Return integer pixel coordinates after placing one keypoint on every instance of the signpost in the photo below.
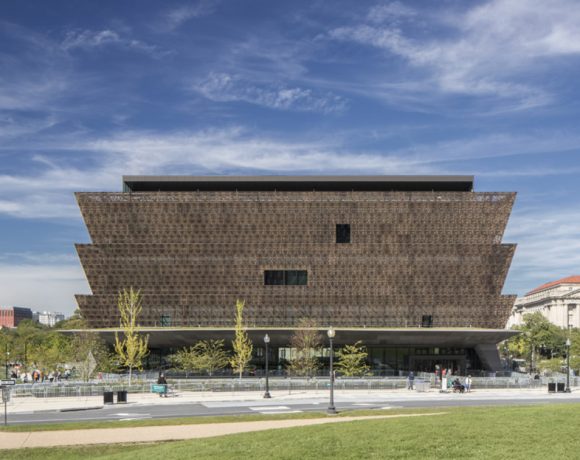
(5, 385)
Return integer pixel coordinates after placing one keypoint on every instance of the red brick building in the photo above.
(11, 316)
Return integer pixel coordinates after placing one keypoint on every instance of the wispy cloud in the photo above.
(224, 87)
(176, 17)
(48, 192)
(392, 11)
(484, 51)
(548, 245)
(87, 39)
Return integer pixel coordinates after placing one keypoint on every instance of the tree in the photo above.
(539, 336)
(241, 344)
(90, 353)
(185, 359)
(352, 360)
(306, 343)
(211, 355)
(133, 348)
(575, 350)
(205, 355)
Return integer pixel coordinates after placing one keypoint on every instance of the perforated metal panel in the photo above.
(193, 253)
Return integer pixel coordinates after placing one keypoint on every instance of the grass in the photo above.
(516, 432)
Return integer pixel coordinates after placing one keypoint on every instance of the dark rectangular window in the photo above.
(286, 277)
(274, 277)
(343, 233)
(427, 321)
(165, 320)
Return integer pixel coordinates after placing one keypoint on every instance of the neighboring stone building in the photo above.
(11, 316)
(558, 301)
(412, 266)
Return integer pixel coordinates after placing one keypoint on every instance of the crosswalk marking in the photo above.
(281, 412)
(269, 408)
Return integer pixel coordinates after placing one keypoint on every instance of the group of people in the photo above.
(38, 376)
(454, 384)
(459, 387)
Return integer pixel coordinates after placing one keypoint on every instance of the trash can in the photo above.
(121, 397)
(108, 397)
(561, 387)
(551, 387)
(422, 385)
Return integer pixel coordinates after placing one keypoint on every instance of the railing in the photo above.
(234, 385)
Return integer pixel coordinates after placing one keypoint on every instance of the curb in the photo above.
(76, 409)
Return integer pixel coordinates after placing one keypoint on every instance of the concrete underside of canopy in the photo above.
(168, 337)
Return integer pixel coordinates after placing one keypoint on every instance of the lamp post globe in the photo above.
(568, 344)
(266, 342)
(331, 409)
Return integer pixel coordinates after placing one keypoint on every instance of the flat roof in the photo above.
(298, 183)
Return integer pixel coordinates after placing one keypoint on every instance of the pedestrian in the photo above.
(162, 381)
(410, 380)
(468, 383)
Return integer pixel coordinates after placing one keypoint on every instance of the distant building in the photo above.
(48, 318)
(558, 301)
(11, 316)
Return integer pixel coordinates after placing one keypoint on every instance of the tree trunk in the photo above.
(130, 375)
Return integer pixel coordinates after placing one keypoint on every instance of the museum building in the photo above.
(413, 266)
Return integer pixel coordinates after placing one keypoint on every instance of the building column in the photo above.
(489, 356)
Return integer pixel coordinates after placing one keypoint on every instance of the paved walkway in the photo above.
(164, 433)
(29, 405)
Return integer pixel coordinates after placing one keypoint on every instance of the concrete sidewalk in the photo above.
(23, 405)
(164, 433)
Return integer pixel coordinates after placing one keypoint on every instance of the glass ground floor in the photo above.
(386, 361)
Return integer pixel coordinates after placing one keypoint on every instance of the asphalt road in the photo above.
(155, 411)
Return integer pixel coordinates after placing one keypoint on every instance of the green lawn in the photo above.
(518, 432)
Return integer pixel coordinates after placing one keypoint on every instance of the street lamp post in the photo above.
(267, 393)
(7, 358)
(568, 343)
(331, 409)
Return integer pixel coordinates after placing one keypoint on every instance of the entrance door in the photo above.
(428, 363)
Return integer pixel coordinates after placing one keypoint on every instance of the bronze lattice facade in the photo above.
(419, 253)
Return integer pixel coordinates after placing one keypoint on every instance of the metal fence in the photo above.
(234, 385)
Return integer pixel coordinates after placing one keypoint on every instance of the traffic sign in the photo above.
(4, 383)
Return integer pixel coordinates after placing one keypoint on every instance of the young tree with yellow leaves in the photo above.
(241, 344)
(134, 347)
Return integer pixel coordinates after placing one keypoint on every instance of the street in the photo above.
(174, 407)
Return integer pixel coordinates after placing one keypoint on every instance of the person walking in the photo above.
(162, 381)
(468, 383)
(410, 380)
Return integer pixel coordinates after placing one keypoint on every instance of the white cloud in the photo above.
(49, 193)
(87, 39)
(487, 51)
(45, 287)
(392, 11)
(224, 87)
(178, 16)
(548, 246)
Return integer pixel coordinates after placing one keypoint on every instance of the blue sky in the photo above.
(90, 91)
